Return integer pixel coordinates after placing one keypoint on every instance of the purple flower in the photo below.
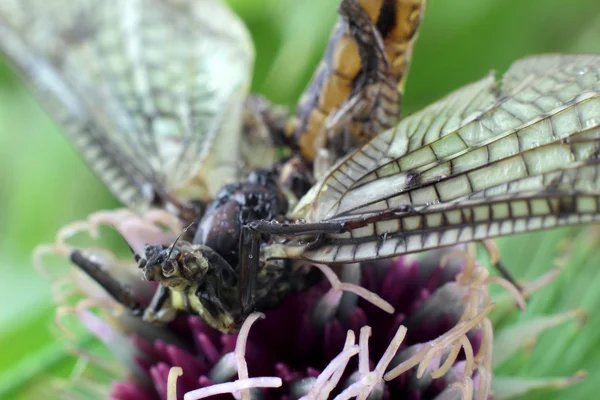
(410, 327)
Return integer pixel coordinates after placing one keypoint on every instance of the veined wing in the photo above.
(431, 123)
(147, 90)
(483, 162)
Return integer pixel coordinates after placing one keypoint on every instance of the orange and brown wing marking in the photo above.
(399, 36)
(357, 87)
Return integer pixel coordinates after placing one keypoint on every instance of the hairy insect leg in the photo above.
(160, 310)
(113, 287)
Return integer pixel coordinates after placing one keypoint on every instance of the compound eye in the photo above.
(152, 251)
(149, 251)
(168, 269)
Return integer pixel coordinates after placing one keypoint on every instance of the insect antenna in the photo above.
(136, 256)
(179, 237)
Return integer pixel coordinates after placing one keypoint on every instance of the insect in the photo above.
(182, 133)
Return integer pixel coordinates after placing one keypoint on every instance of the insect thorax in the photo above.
(209, 275)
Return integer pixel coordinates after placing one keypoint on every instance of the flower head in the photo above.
(410, 327)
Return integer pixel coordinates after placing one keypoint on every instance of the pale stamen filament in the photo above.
(360, 291)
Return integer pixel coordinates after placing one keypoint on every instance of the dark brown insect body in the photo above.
(359, 84)
(357, 88)
(218, 275)
(259, 198)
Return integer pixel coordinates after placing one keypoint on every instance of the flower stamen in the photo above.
(240, 350)
(337, 373)
(363, 355)
(450, 358)
(43, 250)
(424, 356)
(362, 388)
(360, 291)
(163, 218)
(174, 373)
(231, 387)
(465, 386)
(330, 376)
(511, 288)
(239, 388)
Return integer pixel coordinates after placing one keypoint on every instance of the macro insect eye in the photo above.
(190, 265)
(167, 267)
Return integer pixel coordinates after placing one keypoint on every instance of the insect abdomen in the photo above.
(339, 71)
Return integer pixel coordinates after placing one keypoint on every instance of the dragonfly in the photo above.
(155, 96)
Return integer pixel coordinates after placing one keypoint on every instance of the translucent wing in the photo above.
(149, 91)
(483, 162)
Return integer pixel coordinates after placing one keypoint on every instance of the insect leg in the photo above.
(249, 251)
(158, 300)
(296, 229)
(114, 288)
(505, 273)
(249, 265)
(493, 252)
(161, 310)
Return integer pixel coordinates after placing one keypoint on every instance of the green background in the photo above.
(44, 184)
